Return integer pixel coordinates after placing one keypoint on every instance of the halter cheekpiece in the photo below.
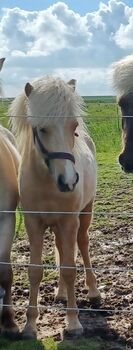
(51, 155)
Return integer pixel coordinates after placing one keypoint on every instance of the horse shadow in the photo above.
(97, 334)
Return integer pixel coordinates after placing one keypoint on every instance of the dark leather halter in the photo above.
(51, 155)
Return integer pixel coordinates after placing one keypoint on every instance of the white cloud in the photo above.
(96, 79)
(60, 41)
(124, 35)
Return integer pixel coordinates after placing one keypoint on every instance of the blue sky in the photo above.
(81, 6)
(59, 42)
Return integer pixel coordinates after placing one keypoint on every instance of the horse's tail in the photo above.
(18, 122)
(122, 75)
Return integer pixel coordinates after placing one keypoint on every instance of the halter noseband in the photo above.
(51, 155)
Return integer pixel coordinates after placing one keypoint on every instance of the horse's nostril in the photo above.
(77, 178)
(61, 180)
(63, 187)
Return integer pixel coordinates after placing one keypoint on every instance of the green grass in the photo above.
(3, 111)
(50, 344)
(103, 125)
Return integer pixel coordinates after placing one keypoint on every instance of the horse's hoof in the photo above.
(73, 333)
(96, 301)
(28, 335)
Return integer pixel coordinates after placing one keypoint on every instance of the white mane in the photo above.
(122, 75)
(51, 97)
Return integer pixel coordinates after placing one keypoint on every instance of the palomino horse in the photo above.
(58, 177)
(123, 83)
(9, 160)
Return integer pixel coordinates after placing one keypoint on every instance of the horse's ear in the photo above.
(1, 62)
(72, 83)
(28, 89)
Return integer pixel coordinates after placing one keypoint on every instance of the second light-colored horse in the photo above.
(9, 161)
(57, 176)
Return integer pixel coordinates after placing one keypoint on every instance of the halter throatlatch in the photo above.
(51, 155)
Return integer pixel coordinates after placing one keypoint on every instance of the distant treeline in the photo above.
(91, 99)
(7, 99)
(100, 99)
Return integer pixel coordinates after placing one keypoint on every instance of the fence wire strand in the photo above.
(86, 116)
(99, 213)
(79, 268)
(52, 308)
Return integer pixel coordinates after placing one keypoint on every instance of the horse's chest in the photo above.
(58, 203)
(46, 197)
(54, 210)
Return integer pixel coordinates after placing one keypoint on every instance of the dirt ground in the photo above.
(111, 249)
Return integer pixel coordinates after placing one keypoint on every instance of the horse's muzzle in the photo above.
(126, 163)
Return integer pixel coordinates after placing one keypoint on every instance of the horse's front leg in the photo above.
(68, 238)
(35, 275)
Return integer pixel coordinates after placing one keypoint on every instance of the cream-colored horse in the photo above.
(9, 160)
(57, 176)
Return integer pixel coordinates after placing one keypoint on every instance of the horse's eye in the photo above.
(43, 130)
(123, 102)
(75, 126)
(124, 122)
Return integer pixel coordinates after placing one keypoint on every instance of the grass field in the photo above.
(114, 200)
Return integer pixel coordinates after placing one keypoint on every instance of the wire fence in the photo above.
(90, 309)
(111, 268)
